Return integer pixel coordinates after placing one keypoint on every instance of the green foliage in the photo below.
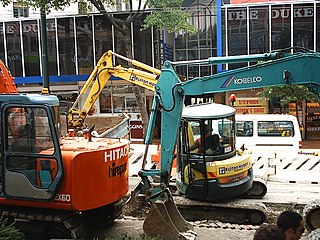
(8, 231)
(166, 13)
(159, 4)
(174, 20)
(288, 93)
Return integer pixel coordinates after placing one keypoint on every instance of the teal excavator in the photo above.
(215, 175)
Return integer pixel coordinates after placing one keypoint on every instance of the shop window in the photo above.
(13, 43)
(118, 99)
(237, 34)
(259, 30)
(31, 48)
(84, 44)
(130, 104)
(280, 26)
(303, 26)
(66, 45)
(19, 10)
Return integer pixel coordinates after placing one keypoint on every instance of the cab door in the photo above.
(192, 164)
(31, 157)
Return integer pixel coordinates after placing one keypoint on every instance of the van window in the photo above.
(244, 128)
(275, 128)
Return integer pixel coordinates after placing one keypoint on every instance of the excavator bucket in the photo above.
(165, 220)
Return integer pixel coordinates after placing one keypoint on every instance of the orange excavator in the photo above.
(59, 184)
(7, 81)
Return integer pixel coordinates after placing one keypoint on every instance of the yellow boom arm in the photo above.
(146, 78)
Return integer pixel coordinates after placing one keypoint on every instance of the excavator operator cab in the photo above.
(208, 133)
(31, 162)
(207, 148)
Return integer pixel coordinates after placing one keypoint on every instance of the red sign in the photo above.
(136, 129)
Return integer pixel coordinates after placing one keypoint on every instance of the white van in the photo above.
(268, 132)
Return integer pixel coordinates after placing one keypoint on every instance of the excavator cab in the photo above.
(209, 167)
(31, 158)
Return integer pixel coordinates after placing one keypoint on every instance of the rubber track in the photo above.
(232, 211)
(71, 220)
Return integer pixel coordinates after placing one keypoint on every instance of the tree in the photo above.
(165, 13)
(287, 94)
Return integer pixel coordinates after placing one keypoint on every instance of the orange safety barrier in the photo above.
(156, 158)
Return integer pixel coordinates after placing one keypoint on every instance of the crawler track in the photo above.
(231, 211)
(63, 224)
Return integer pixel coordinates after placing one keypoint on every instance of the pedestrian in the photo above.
(292, 224)
(269, 232)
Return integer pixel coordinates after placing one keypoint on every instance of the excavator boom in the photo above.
(99, 77)
(284, 69)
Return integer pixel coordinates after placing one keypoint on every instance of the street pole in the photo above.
(44, 50)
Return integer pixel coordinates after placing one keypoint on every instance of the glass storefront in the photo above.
(66, 43)
(75, 44)
(31, 48)
(118, 98)
(13, 47)
(84, 37)
(200, 45)
(247, 28)
(258, 28)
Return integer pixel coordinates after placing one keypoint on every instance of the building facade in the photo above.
(224, 28)
(258, 27)
(75, 44)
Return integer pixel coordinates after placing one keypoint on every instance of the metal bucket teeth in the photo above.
(165, 220)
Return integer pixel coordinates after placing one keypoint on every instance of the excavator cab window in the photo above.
(30, 152)
(201, 143)
(209, 137)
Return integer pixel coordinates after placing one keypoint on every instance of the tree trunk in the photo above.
(138, 91)
(297, 112)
